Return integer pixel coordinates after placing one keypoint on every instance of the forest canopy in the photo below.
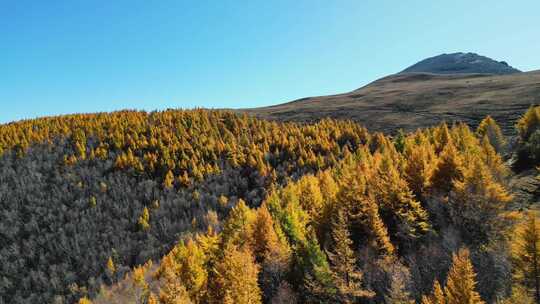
(207, 206)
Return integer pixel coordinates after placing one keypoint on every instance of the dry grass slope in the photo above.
(415, 100)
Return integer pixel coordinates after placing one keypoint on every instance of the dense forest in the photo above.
(207, 206)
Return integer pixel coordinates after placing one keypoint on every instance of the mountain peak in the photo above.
(461, 63)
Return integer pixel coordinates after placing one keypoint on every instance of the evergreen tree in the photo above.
(311, 269)
(130, 158)
(293, 219)
(399, 141)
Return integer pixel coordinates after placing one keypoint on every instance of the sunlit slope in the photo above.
(416, 100)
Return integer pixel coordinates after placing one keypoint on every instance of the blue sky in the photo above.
(71, 56)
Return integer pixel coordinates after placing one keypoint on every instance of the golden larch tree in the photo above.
(449, 168)
(528, 123)
(461, 281)
(346, 276)
(437, 295)
(419, 165)
(526, 254)
(265, 241)
(489, 129)
(236, 277)
(168, 181)
(478, 202)
(238, 227)
(362, 208)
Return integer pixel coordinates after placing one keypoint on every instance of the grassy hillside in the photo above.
(419, 100)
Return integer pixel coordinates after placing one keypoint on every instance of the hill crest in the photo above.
(461, 63)
(416, 100)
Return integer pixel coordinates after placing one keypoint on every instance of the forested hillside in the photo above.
(77, 190)
(211, 207)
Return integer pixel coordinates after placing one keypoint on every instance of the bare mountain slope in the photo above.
(461, 63)
(414, 100)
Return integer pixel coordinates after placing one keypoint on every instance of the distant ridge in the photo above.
(416, 100)
(461, 63)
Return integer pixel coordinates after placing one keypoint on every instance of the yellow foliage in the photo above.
(437, 296)
(187, 144)
(236, 277)
(144, 219)
(93, 201)
(378, 187)
(191, 271)
(489, 129)
(152, 299)
(461, 281)
(84, 300)
(309, 195)
(420, 164)
(449, 168)
(528, 123)
(169, 180)
(237, 229)
(363, 209)
(110, 266)
(266, 243)
(138, 276)
(526, 253)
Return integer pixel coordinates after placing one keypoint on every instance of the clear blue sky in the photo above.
(72, 56)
